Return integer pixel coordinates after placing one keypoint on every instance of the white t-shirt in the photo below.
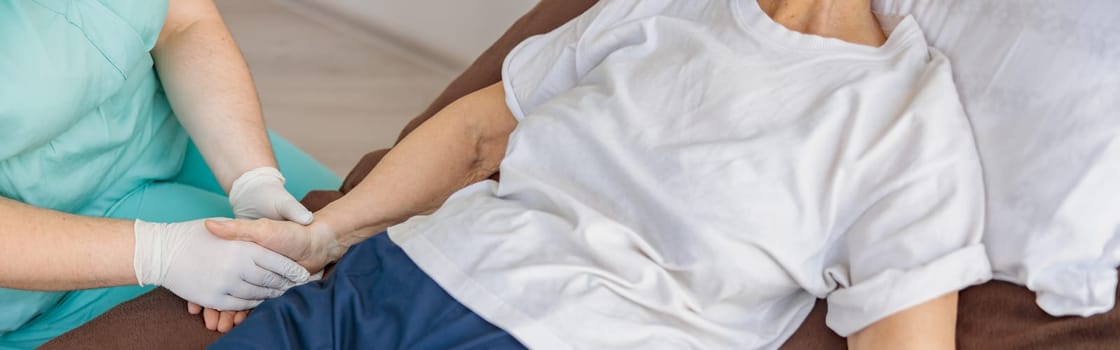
(691, 174)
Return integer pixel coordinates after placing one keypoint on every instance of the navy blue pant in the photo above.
(376, 298)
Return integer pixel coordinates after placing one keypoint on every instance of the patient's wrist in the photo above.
(356, 236)
(325, 246)
(350, 223)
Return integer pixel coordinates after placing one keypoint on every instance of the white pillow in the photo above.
(1040, 81)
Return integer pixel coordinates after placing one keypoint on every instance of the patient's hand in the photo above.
(287, 238)
(312, 246)
(221, 321)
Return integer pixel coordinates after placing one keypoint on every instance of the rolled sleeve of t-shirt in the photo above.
(543, 66)
(918, 211)
(914, 244)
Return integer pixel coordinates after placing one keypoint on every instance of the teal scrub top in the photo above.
(83, 117)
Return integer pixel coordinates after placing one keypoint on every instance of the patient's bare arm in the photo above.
(927, 326)
(462, 144)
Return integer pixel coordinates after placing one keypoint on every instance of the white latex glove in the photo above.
(210, 271)
(260, 193)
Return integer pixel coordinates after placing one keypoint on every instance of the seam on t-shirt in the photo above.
(512, 101)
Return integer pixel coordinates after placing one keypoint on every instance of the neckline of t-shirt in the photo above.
(754, 20)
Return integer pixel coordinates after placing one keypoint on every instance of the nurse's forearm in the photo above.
(211, 91)
(49, 250)
(462, 144)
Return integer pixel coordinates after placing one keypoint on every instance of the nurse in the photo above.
(123, 122)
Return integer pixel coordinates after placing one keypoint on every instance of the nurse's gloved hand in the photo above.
(210, 271)
(260, 193)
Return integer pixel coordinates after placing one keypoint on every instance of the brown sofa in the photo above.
(995, 315)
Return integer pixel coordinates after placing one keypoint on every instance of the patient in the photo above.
(674, 174)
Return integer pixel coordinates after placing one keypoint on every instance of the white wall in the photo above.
(454, 31)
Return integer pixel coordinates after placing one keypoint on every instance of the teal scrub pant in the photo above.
(193, 194)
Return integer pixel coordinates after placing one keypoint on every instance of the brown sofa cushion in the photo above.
(995, 315)
(157, 320)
